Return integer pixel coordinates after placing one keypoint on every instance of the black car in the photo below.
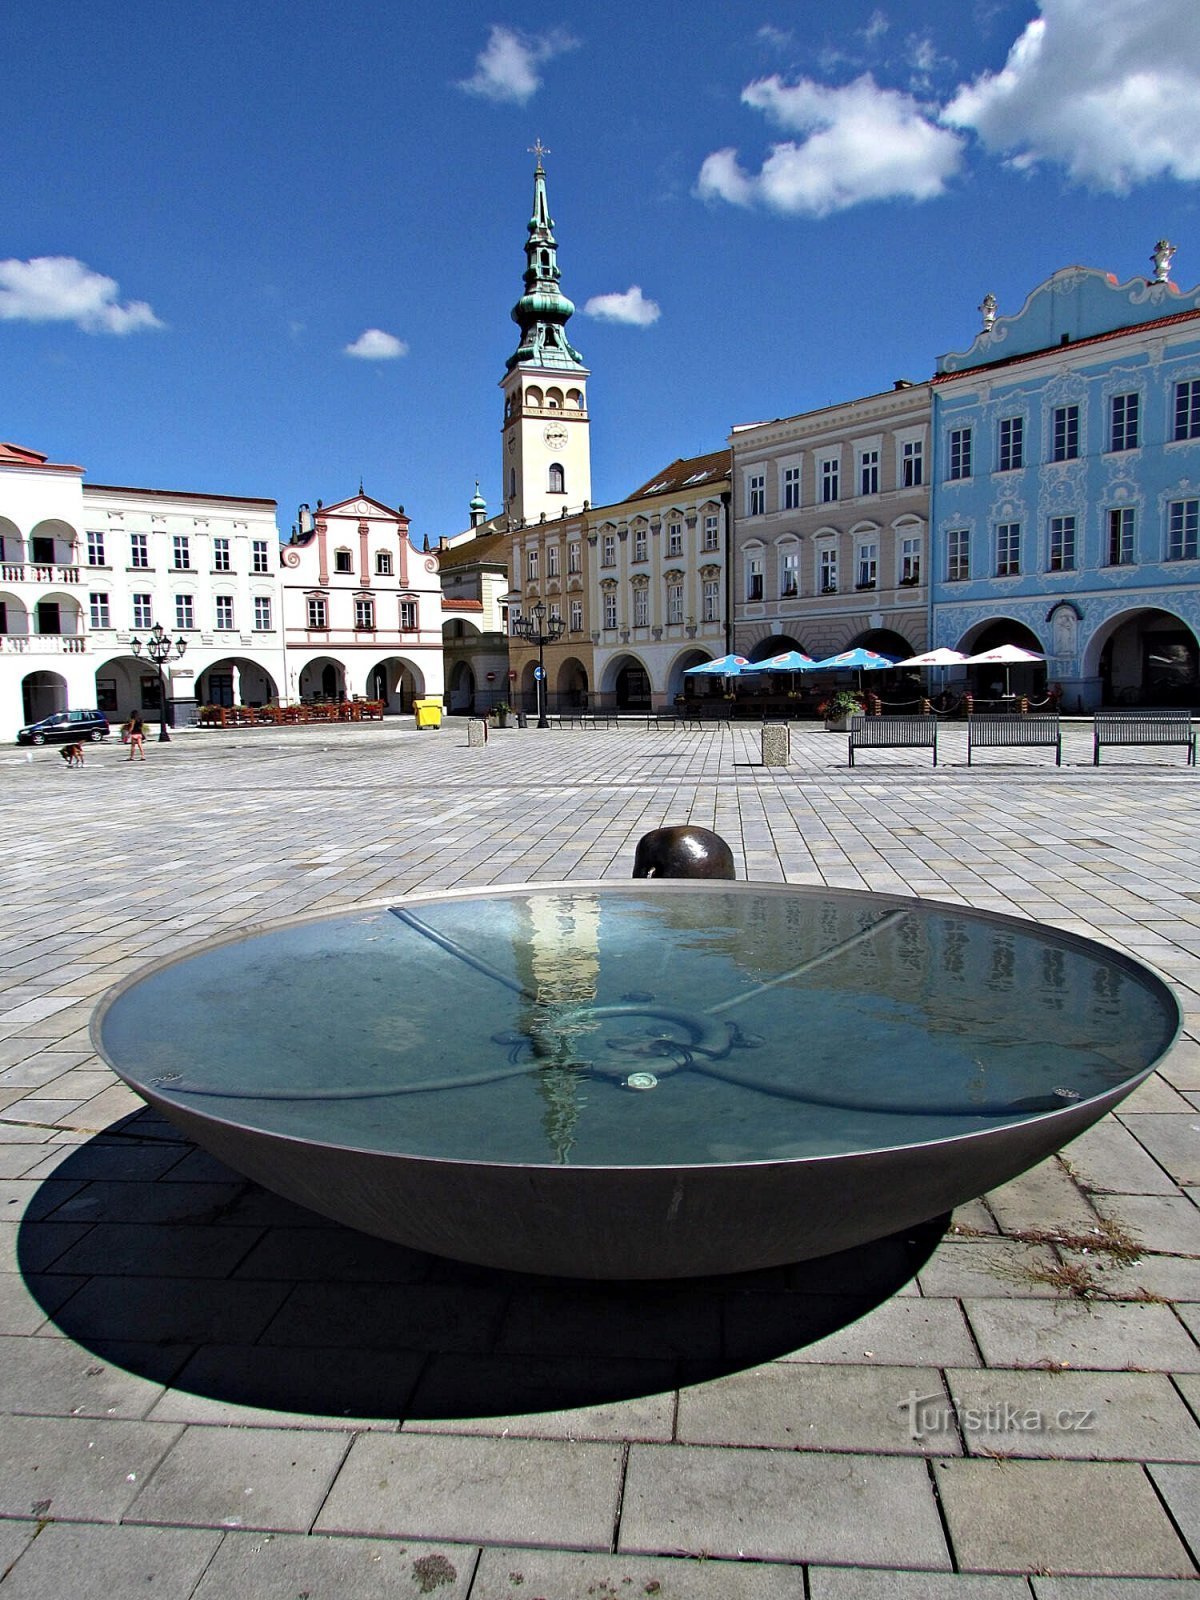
(66, 727)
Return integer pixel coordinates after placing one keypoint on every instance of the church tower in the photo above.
(547, 457)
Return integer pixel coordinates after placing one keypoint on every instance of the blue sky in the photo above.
(260, 248)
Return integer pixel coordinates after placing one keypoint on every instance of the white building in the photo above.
(362, 609)
(84, 569)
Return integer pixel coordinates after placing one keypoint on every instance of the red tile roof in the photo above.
(16, 455)
(1075, 344)
(690, 472)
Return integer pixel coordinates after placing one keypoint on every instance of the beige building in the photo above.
(831, 528)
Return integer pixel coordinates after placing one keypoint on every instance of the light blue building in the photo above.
(1065, 508)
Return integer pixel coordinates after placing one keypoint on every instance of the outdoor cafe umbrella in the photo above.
(789, 661)
(941, 657)
(1004, 655)
(856, 660)
(723, 667)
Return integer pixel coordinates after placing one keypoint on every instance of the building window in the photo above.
(910, 561)
(221, 561)
(1064, 442)
(789, 574)
(1008, 549)
(610, 608)
(531, 566)
(1120, 536)
(831, 474)
(791, 488)
(318, 612)
(675, 539)
(383, 563)
(711, 532)
(958, 555)
(143, 611)
(555, 612)
(95, 549)
(262, 614)
(180, 553)
(1123, 421)
(576, 616)
(674, 602)
(754, 577)
(364, 614)
(139, 550)
(343, 561)
(641, 608)
(1182, 522)
(260, 556)
(224, 612)
(558, 478)
(756, 493)
(98, 610)
(552, 561)
(829, 571)
(1011, 452)
(868, 472)
(639, 544)
(574, 559)
(408, 616)
(868, 566)
(711, 600)
(185, 615)
(960, 453)
(1062, 544)
(1187, 409)
(608, 556)
(912, 464)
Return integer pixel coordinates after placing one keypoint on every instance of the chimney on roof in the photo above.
(902, 383)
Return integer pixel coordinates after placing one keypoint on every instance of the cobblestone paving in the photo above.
(208, 1392)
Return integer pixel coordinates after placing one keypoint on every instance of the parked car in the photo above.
(66, 727)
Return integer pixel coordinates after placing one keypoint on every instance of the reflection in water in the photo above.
(556, 945)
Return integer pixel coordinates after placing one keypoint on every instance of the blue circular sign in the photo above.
(539, 673)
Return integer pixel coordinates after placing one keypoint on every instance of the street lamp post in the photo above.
(540, 629)
(158, 649)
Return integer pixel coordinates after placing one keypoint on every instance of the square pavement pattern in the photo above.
(208, 1392)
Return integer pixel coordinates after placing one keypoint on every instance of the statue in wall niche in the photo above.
(1065, 631)
(682, 851)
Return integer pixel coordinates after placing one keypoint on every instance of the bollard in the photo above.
(776, 744)
(476, 732)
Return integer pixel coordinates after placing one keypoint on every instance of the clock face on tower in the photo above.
(555, 435)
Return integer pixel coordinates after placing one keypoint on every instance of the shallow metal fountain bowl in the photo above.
(643, 1080)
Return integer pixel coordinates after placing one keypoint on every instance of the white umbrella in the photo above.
(1004, 655)
(941, 657)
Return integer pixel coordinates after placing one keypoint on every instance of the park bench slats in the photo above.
(893, 733)
(1143, 728)
(1005, 732)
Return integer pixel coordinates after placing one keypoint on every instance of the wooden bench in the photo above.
(1002, 732)
(893, 733)
(1143, 728)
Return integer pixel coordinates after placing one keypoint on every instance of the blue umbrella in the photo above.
(789, 661)
(725, 667)
(856, 660)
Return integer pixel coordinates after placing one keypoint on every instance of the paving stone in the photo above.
(895, 1333)
(332, 1255)
(1107, 1588)
(982, 1268)
(510, 1491)
(802, 1407)
(28, 1299)
(172, 1310)
(1042, 1199)
(1160, 1222)
(1173, 1140)
(125, 1162)
(776, 1505)
(1073, 1333)
(100, 1563)
(1106, 1416)
(33, 1247)
(859, 1583)
(587, 1320)
(110, 1201)
(14, 1537)
(77, 1469)
(1180, 1488)
(266, 1478)
(129, 1249)
(557, 1575)
(283, 1566)
(54, 1377)
(263, 1386)
(385, 1316)
(1111, 1157)
(1055, 1517)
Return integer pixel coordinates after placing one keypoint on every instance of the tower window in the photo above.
(558, 478)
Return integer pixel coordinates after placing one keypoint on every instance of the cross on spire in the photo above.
(538, 149)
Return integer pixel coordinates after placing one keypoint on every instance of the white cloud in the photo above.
(506, 69)
(632, 308)
(863, 143)
(375, 345)
(876, 27)
(62, 289)
(1108, 90)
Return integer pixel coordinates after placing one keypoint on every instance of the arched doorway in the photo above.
(990, 682)
(778, 644)
(462, 688)
(395, 682)
(884, 641)
(42, 694)
(699, 687)
(571, 693)
(1146, 658)
(235, 681)
(323, 678)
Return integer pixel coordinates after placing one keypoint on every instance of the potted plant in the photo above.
(500, 712)
(837, 710)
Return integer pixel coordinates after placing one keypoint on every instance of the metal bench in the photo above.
(676, 719)
(893, 733)
(1143, 728)
(992, 733)
(582, 719)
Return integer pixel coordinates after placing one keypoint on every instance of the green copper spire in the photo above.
(543, 310)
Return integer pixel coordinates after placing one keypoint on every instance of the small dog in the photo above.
(72, 754)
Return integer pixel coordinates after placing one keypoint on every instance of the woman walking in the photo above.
(137, 736)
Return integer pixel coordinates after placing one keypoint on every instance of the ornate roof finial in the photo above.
(988, 307)
(538, 149)
(1161, 256)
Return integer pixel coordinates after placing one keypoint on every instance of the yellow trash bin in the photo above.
(428, 713)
